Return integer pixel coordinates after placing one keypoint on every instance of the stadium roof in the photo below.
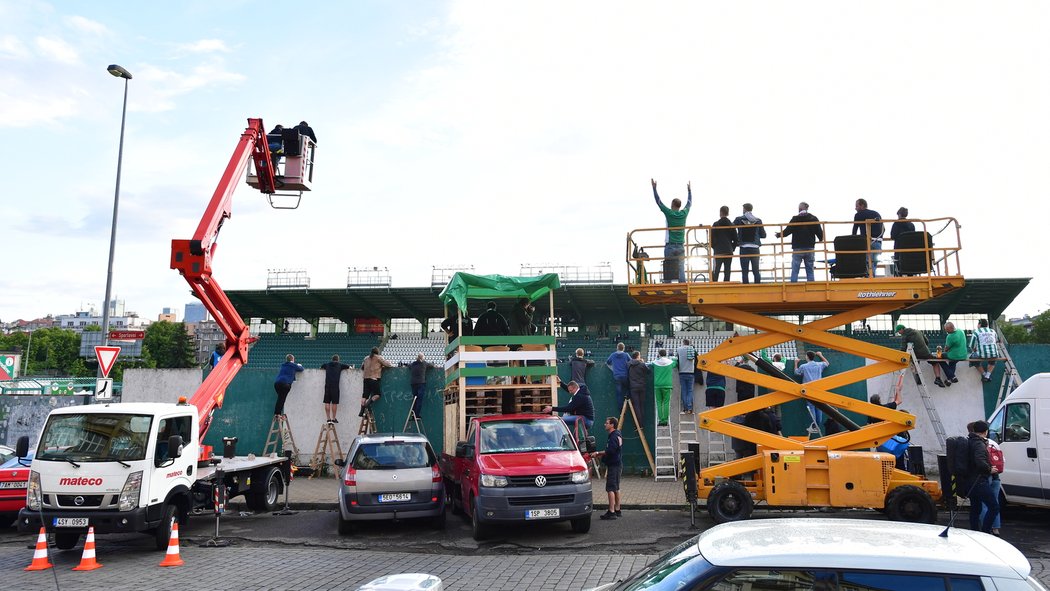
(574, 304)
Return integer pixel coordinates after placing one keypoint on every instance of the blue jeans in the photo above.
(686, 381)
(418, 391)
(997, 485)
(818, 415)
(674, 262)
(571, 420)
(623, 389)
(981, 495)
(873, 258)
(749, 258)
(797, 258)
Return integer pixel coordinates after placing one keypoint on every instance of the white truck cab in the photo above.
(1021, 427)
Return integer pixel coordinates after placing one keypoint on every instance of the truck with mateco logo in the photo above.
(139, 467)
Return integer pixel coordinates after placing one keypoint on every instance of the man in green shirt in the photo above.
(674, 244)
(954, 350)
(663, 383)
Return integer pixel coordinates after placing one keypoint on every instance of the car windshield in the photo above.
(392, 455)
(525, 435)
(681, 567)
(95, 437)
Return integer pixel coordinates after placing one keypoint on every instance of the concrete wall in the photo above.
(25, 415)
(159, 385)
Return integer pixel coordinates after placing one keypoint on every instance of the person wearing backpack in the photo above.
(977, 479)
(995, 458)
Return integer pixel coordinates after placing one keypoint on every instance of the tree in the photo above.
(1014, 334)
(1041, 328)
(167, 345)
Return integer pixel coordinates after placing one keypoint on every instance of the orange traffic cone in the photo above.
(172, 557)
(87, 561)
(40, 561)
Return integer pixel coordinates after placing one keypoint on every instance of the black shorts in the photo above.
(612, 478)
(371, 388)
(715, 397)
(331, 394)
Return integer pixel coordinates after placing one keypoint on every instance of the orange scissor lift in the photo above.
(835, 470)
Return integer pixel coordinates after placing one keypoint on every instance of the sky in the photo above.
(496, 133)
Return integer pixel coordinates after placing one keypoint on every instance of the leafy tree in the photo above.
(49, 351)
(1041, 328)
(167, 345)
(1015, 335)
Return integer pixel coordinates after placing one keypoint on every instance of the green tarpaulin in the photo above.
(464, 286)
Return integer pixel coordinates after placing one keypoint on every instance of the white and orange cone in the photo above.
(87, 561)
(171, 558)
(40, 561)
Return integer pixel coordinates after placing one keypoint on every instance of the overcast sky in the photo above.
(498, 133)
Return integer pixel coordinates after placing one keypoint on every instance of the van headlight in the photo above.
(492, 480)
(129, 496)
(581, 477)
(33, 493)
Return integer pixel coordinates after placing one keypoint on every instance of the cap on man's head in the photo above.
(899, 328)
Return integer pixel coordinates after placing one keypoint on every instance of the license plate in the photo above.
(71, 522)
(395, 497)
(542, 513)
(4, 485)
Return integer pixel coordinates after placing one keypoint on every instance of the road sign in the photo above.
(103, 388)
(127, 334)
(106, 357)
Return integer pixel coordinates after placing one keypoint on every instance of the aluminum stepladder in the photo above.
(927, 400)
(666, 466)
(412, 418)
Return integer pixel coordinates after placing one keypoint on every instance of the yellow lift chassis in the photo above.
(835, 470)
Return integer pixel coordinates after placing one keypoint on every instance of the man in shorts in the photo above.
(613, 460)
(332, 373)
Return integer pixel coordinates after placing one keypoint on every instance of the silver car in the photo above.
(388, 476)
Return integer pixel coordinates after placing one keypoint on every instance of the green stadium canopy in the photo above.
(464, 286)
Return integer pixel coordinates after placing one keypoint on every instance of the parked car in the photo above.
(390, 476)
(14, 480)
(6, 453)
(846, 554)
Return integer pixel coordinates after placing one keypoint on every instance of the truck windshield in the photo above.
(95, 437)
(525, 435)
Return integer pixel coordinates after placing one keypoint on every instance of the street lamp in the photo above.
(119, 72)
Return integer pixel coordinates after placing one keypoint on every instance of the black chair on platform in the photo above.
(851, 257)
(914, 263)
(291, 142)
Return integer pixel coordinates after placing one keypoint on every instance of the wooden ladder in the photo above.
(327, 450)
(641, 433)
(413, 418)
(280, 438)
(368, 422)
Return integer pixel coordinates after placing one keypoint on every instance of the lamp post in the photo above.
(119, 72)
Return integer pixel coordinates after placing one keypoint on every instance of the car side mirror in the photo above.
(175, 446)
(22, 447)
(587, 445)
(340, 462)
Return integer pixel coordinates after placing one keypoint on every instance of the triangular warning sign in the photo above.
(107, 356)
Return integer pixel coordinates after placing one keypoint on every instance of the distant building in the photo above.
(194, 312)
(206, 335)
(1024, 322)
(27, 325)
(168, 315)
(81, 320)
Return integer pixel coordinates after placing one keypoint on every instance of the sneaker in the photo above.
(607, 516)
(939, 383)
(618, 513)
(335, 420)
(662, 424)
(955, 380)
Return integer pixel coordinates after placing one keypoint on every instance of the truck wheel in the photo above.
(265, 491)
(66, 540)
(480, 530)
(162, 535)
(452, 498)
(581, 525)
(910, 503)
(729, 501)
(345, 526)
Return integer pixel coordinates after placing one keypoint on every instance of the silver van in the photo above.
(390, 476)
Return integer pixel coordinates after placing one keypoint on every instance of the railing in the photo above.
(932, 250)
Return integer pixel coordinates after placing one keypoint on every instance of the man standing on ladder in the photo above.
(333, 371)
(418, 371)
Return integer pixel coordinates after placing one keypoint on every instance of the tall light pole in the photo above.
(119, 72)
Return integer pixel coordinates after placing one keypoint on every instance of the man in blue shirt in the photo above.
(810, 371)
(868, 222)
(617, 364)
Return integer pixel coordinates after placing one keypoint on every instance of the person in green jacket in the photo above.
(674, 245)
(955, 350)
(663, 382)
